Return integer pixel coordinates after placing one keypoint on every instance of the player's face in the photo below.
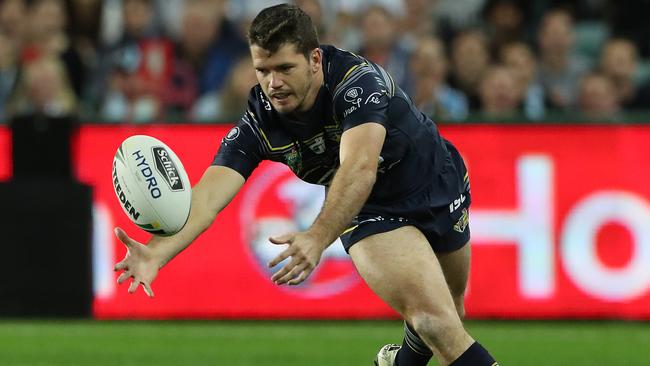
(288, 79)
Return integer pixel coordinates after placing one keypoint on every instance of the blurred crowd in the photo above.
(139, 61)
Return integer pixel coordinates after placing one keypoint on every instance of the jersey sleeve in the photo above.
(363, 97)
(241, 148)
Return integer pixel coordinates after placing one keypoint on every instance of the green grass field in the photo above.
(194, 343)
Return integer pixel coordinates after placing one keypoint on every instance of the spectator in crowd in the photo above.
(505, 22)
(418, 21)
(629, 19)
(43, 89)
(344, 31)
(381, 43)
(84, 28)
(229, 103)
(583, 9)
(210, 45)
(12, 20)
(315, 10)
(560, 69)
(137, 68)
(598, 100)
(519, 58)
(165, 18)
(500, 98)
(128, 21)
(454, 17)
(47, 35)
(430, 92)
(470, 60)
(619, 62)
(8, 72)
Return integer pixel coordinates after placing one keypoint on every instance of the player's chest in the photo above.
(311, 153)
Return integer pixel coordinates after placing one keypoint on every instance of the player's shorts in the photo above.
(445, 227)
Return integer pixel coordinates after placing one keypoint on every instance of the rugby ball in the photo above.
(151, 185)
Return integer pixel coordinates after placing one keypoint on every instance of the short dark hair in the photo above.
(283, 24)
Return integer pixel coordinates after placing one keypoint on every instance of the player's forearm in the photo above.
(217, 188)
(201, 217)
(348, 192)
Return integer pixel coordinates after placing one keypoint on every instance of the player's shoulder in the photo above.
(340, 64)
(349, 72)
(340, 57)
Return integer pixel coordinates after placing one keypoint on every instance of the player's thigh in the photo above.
(455, 266)
(402, 269)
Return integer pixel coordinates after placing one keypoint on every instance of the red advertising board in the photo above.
(5, 154)
(560, 225)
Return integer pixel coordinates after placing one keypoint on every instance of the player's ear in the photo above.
(315, 59)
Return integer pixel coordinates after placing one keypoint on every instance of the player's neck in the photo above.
(312, 93)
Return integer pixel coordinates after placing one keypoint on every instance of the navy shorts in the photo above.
(445, 227)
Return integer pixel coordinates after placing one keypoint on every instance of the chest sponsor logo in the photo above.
(318, 145)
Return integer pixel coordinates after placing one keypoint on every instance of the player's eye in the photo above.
(285, 68)
(262, 71)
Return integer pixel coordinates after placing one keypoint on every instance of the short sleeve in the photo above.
(240, 149)
(362, 97)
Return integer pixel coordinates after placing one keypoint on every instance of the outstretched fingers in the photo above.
(123, 277)
(134, 285)
(300, 279)
(284, 271)
(280, 257)
(291, 273)
(121, 266)
(282, 239)
(121, 235)
(147, 289)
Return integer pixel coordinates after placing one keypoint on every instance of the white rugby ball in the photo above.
(152, 185)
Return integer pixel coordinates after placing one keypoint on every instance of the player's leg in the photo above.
(455, 266)
(402, 269)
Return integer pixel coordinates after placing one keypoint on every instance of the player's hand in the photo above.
(139, 264)
(305, 252)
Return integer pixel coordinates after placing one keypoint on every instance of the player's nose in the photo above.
(276, 81)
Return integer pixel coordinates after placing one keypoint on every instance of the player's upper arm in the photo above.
(361, 146)
(241, 148)
(363, 97)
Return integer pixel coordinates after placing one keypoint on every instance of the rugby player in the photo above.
(397, 192)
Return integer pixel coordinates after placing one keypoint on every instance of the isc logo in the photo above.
(457, 202)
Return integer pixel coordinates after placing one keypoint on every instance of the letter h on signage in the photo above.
(530, 228)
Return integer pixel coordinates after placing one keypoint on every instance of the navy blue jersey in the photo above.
(355, 91)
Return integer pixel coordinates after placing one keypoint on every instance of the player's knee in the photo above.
(436, 326)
